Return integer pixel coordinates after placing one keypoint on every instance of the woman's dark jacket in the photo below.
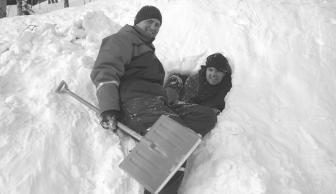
(198, 90)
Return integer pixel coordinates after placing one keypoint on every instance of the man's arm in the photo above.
(109, 67)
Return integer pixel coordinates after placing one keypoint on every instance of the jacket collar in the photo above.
(138, 33)
(142, 35)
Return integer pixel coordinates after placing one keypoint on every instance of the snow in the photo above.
(45, 7)
(277, 134)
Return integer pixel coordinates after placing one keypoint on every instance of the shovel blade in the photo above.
(153, 166)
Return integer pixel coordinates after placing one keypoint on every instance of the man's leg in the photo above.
(141, 113)
(173, 184)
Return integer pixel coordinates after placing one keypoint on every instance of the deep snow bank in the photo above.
(276, 135)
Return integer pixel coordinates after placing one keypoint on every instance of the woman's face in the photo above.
(213, 76)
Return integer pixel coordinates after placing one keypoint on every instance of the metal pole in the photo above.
(63, 88)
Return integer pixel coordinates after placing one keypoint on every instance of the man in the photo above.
(129, 81)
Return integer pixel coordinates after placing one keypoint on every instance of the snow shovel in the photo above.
(159, 154)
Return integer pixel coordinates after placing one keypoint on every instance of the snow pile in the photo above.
(49, 143)
(277, 134)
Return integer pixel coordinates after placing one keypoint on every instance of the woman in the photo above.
(208, 87)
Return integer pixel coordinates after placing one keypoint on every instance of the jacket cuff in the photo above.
(108, 97)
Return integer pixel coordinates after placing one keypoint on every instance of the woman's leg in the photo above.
(200, 119)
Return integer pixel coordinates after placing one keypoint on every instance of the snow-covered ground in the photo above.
(277, 134)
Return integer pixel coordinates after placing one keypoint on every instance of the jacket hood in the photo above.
(206, 94)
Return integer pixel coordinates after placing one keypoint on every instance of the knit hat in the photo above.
(218, 61)
(147, 12)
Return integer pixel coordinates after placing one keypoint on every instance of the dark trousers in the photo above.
(173, 184)
(141, 113)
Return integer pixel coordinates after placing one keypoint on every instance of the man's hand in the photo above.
(109, 120)
(173, 86)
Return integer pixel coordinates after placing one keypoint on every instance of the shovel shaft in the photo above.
(86, 103)
(63, 88)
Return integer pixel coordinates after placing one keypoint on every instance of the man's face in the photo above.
(151, 27)
(214, 76)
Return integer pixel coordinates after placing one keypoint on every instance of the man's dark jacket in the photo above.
(126, 67)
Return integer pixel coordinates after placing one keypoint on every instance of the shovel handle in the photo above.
(64, 89)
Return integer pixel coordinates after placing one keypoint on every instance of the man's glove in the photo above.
(175, 82)
(109, 120)
(173, 87)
